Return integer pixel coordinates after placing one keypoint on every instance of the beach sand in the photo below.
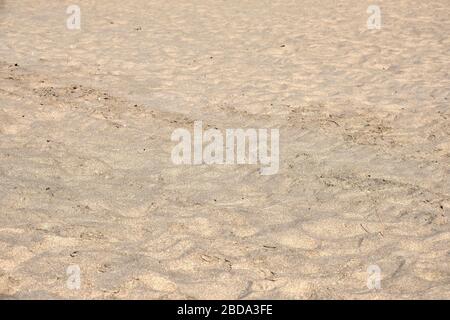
(87, 180)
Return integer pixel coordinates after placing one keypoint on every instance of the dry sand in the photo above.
(86, 176)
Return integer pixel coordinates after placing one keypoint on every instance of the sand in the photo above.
(86, 177)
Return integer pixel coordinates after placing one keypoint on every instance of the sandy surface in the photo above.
(86, 176)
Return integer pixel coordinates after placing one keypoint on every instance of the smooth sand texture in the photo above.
(86, 176)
